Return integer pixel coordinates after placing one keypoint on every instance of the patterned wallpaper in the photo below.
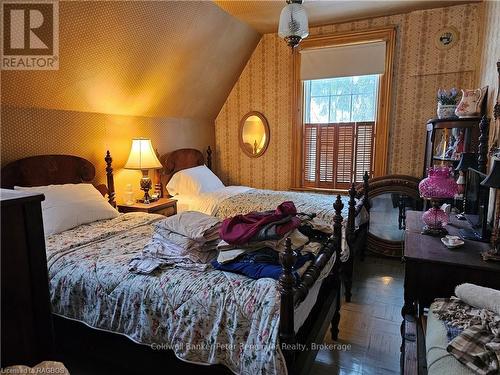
(420, 69)
(35, 131)
(264, 86)
(490, 55)
(139, 58)
(127, 69)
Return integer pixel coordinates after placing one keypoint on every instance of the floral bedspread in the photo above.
(208, 317)
(262, 200)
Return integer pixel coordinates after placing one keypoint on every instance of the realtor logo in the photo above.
(30, 35)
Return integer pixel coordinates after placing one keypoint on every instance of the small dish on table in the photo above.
(452, 242)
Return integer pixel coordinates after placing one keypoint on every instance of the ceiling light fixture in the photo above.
(293, 26)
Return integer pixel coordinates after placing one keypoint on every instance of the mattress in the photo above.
(204, 317)
(439, 361)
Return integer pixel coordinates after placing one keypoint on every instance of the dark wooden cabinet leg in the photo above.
(348, 289)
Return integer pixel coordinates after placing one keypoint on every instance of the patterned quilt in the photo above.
(262, 200)
(209, 317)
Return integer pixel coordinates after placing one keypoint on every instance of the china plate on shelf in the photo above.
(445, 242)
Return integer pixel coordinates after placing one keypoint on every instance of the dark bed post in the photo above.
(337, 223)
(110, 179)
(337, 234)
(286, 283)
(348, 266)
(482, 147)
(209, 158)
(366, 188)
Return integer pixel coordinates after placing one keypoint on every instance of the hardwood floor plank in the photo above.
(370, 323)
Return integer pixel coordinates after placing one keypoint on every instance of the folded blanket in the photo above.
(477, 344)
(158, 253)
(183, 243)
(147, 265)
(194, 225)
(480, 297)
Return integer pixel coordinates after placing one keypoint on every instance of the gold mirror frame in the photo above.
(266, 129)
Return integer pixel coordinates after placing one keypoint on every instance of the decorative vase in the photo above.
(438, 185)
(435, 218)
(470, 104)
(446, 111)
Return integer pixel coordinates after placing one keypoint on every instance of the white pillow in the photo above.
(193, 181)
(69, 205)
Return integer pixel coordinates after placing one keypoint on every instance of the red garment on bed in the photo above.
(240, 229)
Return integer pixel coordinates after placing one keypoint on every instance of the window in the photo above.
(339, 130)
(340, 126)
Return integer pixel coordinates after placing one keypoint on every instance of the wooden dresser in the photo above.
(26, 329)
(432, 270)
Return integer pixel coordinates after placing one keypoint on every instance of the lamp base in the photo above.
(145, 186)
(429, 231)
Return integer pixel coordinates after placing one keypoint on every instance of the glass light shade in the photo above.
(435, 218)
(293, 25)
(142, 155)
(438, 184)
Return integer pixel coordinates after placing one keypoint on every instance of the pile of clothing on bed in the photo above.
(246, 244)
(472, 321)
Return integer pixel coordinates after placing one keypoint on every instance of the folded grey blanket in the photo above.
(194, 225)
(479, 296)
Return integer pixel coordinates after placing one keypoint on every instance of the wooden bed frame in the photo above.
(60, 169)
(185, 158)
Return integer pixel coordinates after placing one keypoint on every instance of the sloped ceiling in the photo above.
(264, 15)
(158, 59)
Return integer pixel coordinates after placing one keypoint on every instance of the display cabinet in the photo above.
(447, 139)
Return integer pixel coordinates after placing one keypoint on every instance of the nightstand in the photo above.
(163, 206)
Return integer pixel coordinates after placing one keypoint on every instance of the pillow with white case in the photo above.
(69, 205)
(193, 181)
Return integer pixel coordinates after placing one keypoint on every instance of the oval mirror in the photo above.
(254, 134)
(390, 197)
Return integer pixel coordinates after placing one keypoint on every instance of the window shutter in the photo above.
(326, 156)
(364, 149)
(337, 154)
(310, 149)
(345, 153)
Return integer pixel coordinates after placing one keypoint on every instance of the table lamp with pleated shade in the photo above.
(143, 157)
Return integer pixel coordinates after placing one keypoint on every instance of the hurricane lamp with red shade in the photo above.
(437, 187)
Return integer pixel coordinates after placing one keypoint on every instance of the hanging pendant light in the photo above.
(293, 26)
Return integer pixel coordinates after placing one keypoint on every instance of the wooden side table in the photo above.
(432, 270)
(163, 206)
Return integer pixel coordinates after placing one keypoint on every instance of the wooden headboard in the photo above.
(45, 170)
(183, 158)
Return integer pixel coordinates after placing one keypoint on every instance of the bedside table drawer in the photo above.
(168, 211)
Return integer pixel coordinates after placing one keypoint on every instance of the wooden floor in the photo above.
(370, 324)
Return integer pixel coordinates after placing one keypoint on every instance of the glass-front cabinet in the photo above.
(447, 139)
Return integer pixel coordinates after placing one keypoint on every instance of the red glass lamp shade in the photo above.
(438, 185)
